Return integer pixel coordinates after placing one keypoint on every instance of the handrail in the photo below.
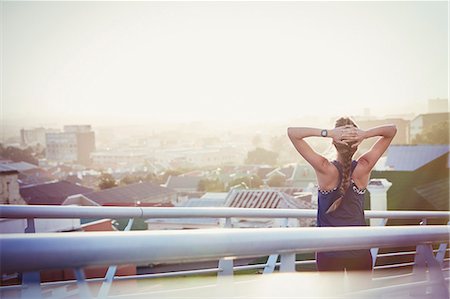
(43, 211)
(35, 252)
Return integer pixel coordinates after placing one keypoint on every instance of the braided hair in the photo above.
(346, 152)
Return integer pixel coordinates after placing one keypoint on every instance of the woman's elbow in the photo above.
(393, 130)
(289, 132)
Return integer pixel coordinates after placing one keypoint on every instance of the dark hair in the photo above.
(346, 152)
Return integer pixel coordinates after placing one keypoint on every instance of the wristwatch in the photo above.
(324, 133)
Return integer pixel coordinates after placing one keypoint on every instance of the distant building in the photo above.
(135, 195)
(74, 145)
(118, 158)
(35, 176)
(402, 136)
(9, 187)
(183, 183)
(268, 199)
(190, 157)
(209, 200)
(257, 199)
(419, 175)
(144, 194)
(32, 136)
(52, 193)
(425, 121)
(437, 105)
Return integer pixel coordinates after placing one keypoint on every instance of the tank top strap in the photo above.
(354, 163)
(339, 168)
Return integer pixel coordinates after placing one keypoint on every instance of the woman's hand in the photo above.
(353, 136)
(339, 133)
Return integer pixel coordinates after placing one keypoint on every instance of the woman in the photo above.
(342, 184)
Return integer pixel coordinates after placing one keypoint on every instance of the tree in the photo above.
(211, 185)
(261, 156)
(17, 155)
(436, 134)
(106, 181)
(251, 182)
(277, 181)
(131, 179)
(154, 178)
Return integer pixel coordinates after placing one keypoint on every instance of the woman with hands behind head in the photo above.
(342, 183)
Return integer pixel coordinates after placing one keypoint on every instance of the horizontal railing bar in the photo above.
(35, 252)
(390, 266)
(389, 277)
(165, 274)
(393, 288)
(396, 253)
(42, 211)
(169, 274)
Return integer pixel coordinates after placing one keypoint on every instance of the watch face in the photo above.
(324, 133)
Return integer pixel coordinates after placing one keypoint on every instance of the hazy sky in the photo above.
(112, 62)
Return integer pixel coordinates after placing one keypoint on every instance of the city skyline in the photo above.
(243, 62)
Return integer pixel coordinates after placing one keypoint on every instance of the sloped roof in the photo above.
(263, 171)
(183, 182)
(276, 172)
(288, 171)
(412, 157)
(124, 195)
(436, 193)
(7, 170)
(35, 176)
(52, 193)
(19, 166)
(262, 199)
(303, 172)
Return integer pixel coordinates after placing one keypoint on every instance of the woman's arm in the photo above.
(368, 160)
(317, 161)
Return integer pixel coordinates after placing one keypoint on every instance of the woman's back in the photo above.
(351, 210)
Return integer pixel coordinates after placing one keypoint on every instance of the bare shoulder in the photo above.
(329, 177)
(361, 173)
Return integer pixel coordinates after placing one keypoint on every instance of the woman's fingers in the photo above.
(356, 143)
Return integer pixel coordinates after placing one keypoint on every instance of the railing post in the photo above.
(378, 197)
(287, 261)
(226, 264)
(226, 267)
(31, 285)
(83, 287)
(109, 278)
(378, 202)
(31, 228)
(425, 259)
(31, 281)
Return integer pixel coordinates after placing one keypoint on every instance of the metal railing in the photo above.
(80, 257)
(58, 212)
(36, 252)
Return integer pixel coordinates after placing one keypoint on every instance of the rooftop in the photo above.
(412, 157)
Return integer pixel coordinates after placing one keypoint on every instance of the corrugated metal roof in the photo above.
(19, 166)
(53, 193)
(4, 168)
(266, 199)
(412, 157)
(436, 193)
(132, 193)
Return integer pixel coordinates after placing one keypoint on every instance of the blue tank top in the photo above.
(351, 210)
